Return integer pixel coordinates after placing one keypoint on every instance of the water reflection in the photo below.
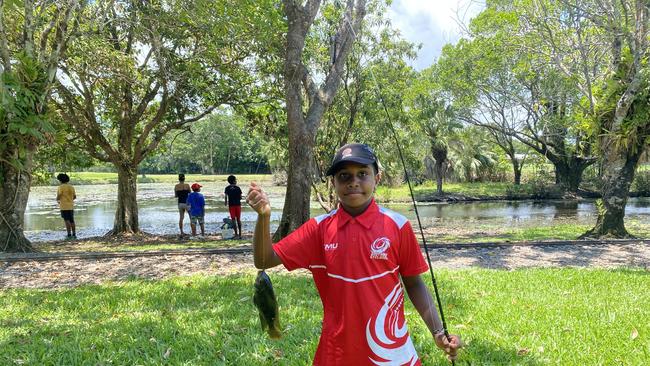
(95, 209)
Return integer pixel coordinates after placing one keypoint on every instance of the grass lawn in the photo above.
(133, 245)
(427, 189)
(458, 231)
(523, 317)
(462, 231)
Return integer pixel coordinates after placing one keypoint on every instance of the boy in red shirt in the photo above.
(357, 255)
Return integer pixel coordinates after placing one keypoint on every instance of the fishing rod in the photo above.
(408, 182)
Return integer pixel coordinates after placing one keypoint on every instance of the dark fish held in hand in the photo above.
(264, 299)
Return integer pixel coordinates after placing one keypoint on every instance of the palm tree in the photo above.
(439, 126)
(470, 154)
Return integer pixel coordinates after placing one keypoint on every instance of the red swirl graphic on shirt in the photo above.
(386, 337)
(380, 245)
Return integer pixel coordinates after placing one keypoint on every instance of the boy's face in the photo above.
(355, 185)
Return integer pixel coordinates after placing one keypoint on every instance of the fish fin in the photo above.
(274, 328)
(274, 333)
(263, 322)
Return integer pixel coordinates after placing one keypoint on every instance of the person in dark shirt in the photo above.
(181, 191)
(233, 201)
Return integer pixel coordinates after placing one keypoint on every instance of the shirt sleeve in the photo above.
(411, 261)
(300, 248)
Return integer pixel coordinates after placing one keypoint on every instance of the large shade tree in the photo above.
(604, 47)
(498, 84)
(34, 36)
(143, 69)
(307, 100)
(356, 114)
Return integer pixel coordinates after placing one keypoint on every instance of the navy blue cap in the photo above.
(358, 153)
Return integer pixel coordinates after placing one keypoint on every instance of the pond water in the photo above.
(95, 210)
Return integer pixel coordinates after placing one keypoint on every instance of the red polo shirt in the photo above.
(356, 263)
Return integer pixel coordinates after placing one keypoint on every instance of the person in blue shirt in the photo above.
(196, 207)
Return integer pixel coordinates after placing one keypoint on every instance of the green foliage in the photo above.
(23, 118)
(641, 183)
(223, 143)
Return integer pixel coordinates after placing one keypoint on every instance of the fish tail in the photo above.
(263, 322)
(274, 333)
(274, 329)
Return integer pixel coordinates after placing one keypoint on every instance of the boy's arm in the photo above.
(263, 253)
(225, 198)
(421, 299)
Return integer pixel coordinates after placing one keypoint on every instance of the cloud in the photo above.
(432, 23)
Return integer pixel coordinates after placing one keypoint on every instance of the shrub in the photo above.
(641, 183)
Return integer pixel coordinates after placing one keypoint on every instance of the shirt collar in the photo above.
(366, 219)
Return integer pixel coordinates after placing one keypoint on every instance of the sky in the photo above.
(433, 23)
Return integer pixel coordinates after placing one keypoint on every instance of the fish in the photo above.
(267, 305)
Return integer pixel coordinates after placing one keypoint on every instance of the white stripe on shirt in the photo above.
(354, 280)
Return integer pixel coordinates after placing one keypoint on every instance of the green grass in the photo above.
(111, 178)
(499, 233)
(447, 232)
(401, 193)
(559, 229)
(102, 245)
(522, 317)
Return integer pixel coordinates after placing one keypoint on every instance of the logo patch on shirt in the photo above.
(379, 247)
(331, 246)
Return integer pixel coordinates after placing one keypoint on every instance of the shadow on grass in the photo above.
(199, 321)
(486, 353)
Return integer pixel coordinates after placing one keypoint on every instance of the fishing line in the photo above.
(415, 206)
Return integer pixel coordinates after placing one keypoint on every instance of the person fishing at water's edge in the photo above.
(357, 255)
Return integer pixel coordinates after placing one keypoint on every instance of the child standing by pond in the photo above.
(65, 196)
(181, 191)
(196, 206)
(357, 255)
(233, 201)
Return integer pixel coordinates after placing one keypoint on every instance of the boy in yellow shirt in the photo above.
(65, 196)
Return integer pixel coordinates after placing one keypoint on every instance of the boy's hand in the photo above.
(450, 346)
(258, 200)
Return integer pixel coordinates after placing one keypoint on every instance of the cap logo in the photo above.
(347, 152)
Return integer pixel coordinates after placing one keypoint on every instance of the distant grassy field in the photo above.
(401, 193)
(108, 178)
(522, 317)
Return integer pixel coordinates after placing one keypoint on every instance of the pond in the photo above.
(95, 210)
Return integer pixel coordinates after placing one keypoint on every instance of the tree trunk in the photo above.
(516, 169)
(126, 216)
(618, 174)
(439, 153)
(438, 169)
(568, 173)
(299, 177)
(14, 192)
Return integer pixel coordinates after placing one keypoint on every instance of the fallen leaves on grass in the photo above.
(523, 352)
